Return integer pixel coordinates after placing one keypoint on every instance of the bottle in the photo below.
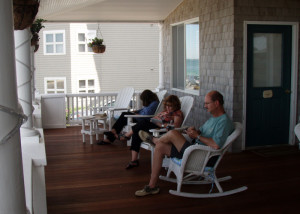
(171, 125)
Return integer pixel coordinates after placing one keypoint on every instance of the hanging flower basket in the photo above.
(24, 13)
(98, 48)
(97, 45)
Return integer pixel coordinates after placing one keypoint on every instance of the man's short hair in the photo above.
(215, 95)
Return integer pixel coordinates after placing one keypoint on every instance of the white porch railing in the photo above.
(78, 105)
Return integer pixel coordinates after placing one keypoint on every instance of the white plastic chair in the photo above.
(186, 106)
(121, 104)
(193, 169)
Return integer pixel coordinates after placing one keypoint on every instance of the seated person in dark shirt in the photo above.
(150, 102)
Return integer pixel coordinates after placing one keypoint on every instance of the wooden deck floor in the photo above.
(83, 178)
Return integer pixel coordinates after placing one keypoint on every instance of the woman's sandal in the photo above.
(102, 142)
(132, 164)
(110, 136)
(123, 136)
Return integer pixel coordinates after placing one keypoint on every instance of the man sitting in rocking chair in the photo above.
(213, 133)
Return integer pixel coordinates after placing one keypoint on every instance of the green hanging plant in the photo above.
(97, 45)
(37, 25)
(35, 28)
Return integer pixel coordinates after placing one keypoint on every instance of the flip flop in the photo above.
(132, 164)
(110, 136)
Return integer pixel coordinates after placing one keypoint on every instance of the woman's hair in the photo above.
(147, 97)
(174, 101)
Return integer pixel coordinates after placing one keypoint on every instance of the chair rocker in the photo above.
(193, 168)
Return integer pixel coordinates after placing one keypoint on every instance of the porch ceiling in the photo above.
(106, 10)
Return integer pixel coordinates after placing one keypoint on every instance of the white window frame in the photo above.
(53, 32)
(88, 35)
(86, 89)
(190, 91)
(55, 90)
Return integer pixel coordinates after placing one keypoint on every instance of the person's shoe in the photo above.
(132, 164)
(102, 142)
(145, 136)
(110, 136)
(147, 191)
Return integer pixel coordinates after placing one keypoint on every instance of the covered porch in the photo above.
(73, 181)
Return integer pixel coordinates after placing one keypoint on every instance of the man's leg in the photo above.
(171, 137)
(161, 149)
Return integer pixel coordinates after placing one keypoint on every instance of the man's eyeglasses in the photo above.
(205, 104)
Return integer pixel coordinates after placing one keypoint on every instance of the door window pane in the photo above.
(267, 59)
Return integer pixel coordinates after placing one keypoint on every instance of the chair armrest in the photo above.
(156, 132)
(118, 109)
(138, 116)
(87, 117)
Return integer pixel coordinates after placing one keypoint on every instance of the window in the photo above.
(54, 42)
(55, 85)
(83, 39)
(185, 43)
(87, 86)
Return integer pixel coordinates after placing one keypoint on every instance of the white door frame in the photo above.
(294, 76)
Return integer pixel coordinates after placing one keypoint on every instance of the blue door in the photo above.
(268, 84)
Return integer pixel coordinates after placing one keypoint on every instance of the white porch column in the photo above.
(24, 77)
(12, 195)
(161, 59)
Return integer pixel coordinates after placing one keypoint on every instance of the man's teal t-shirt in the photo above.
(217, 128)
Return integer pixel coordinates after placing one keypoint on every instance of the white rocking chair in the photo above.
(193, 169)
(121, 104)
(186, 106)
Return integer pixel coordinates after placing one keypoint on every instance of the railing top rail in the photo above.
(92, 94)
